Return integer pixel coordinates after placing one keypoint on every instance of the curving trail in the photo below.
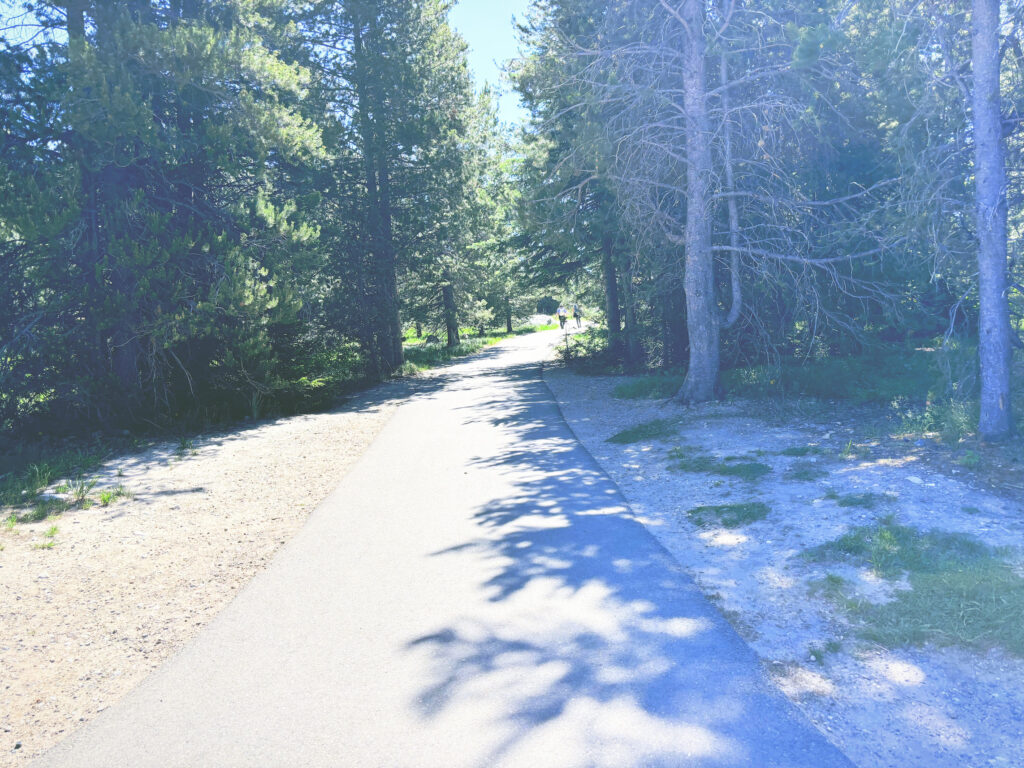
(474, 594)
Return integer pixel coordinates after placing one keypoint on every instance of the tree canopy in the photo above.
(215, 209)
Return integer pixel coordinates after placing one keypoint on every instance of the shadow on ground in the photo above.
(600, 648)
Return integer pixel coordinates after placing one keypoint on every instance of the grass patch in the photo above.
(820, 652)
(186, 447)
(961, 592)
(952, 419)
(854, 451)
(730, 515)
(656, 429)
(801, 451)
(806, 472)
(908, 374)
(864, 500)
(833, 586)
(891, 549)
(80, 489)
(44, 508)
(28, 478)
(110, 495)
(971, 460)
(649, 388)
(685, 460)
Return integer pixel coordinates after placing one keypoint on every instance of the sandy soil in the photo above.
(127, 585)
(927, 707)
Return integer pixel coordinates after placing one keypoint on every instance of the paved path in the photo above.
(474, 594)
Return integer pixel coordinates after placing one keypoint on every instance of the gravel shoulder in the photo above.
(924, 707)
(125, 586)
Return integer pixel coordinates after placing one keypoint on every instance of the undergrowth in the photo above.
(865, 500)
(656, 429)
(422, 356)
(806, 472)
(927, 391)
(961, 592)
(691, 460)
(730, 515)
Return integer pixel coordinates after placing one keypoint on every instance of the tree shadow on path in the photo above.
(596, 649)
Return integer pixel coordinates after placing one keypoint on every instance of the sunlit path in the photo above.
(473, 594)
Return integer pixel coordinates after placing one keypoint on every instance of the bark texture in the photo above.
(611, 293)
(388, 330)
(451, 313)
(701, 306)
(994, 343)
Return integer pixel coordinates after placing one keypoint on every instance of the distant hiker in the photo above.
(563, 315)
(577, 315)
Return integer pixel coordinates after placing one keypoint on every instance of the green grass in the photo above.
(970, 459)
(109, 495)
(186, 447)
(34, 473)
(865, 500)
(656, 429)
(833, 586)
(81, 487)
(688, 460)
(952, 419)
(44, 508)
(891, 549)
(729, 515)
(806, 472)
(421, 356)
(962, 592)
(801, 451)
(881, 376)
(649, 387)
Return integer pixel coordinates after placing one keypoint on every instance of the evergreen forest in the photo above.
(219, 209)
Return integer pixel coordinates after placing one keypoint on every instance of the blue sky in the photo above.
(487, 27)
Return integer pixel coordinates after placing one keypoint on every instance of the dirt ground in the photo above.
(124, 586)
(923, 707)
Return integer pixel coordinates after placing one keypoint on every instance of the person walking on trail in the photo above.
(563, 315)
(577, 315)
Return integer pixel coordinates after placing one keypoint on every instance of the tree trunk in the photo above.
(634, 352)
(736, 305)
(508, 316)
(701, 307)
(451, 316)
(994, 346)
(378, 190)
(611, 294)
(674, 331)
(389, 272)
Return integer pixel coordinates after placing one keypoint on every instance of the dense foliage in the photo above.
(751, 183)
(209, 209)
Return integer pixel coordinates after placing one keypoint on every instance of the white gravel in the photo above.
(917, 708)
